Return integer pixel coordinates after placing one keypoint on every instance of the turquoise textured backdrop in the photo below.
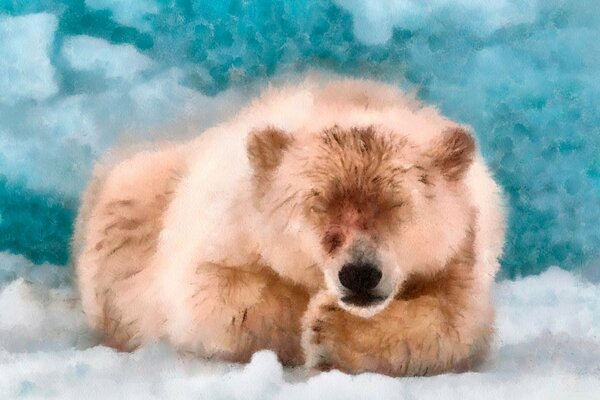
(76, 75)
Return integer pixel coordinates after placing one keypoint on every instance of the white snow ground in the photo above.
(548, 347)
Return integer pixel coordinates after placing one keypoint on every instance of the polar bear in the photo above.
(341, 224)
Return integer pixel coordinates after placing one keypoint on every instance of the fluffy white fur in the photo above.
(211, 219)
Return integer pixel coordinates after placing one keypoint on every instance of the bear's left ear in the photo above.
(265, 148)
(452, 153)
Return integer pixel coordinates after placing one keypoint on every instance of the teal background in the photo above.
(530, 88)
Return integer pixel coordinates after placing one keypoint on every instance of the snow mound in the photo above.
(26, 71)
(547, 347)
(374, 20)
(87, 53)
(130, 13)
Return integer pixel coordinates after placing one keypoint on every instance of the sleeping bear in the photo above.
(340, 224)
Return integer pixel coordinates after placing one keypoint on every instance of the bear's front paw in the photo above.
(319, 337)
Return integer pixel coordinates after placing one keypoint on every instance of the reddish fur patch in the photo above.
(357, 183)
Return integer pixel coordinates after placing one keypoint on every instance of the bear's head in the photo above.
(366, 206)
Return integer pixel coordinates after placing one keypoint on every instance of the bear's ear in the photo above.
(265, 148)
(453, 152)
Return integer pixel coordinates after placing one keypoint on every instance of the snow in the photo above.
(129, 13)
(375, 19)
(547, 347)
(87, 53)
(121, 99)
(26, 72)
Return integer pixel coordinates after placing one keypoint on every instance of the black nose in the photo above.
(359, 277)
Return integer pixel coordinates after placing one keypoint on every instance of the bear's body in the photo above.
(233, 242)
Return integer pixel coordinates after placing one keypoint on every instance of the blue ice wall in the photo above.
(76, 75)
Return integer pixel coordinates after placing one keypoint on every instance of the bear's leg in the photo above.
(116, 235)
(236, 312)
(421, 336)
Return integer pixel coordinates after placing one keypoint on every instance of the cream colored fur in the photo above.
(173, 244)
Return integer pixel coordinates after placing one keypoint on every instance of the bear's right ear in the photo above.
(265, 148)
(453, 153)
